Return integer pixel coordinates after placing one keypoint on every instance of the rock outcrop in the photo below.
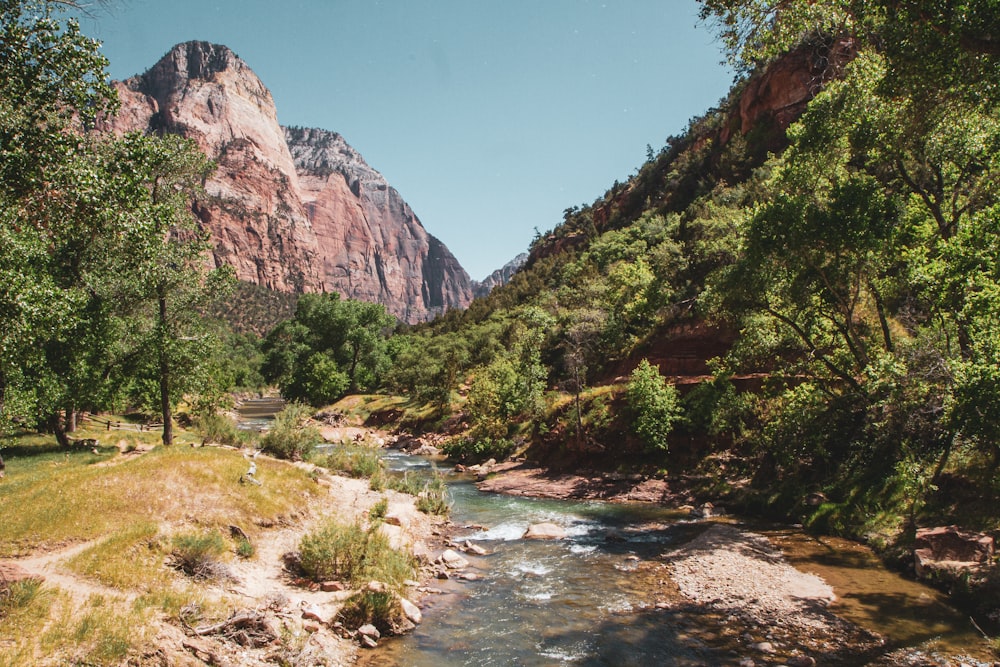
(499, 277)
(293, 210)
(950, 550)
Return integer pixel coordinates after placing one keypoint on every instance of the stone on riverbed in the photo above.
(544, 531)
(453, 561)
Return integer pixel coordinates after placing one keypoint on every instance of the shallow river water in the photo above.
(592, 598)
(603, 596)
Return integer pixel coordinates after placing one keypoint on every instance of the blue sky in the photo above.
(489, 117)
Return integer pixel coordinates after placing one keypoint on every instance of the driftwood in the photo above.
(238, 533)
(247, 628)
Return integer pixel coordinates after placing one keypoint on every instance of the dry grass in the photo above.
(64, 497)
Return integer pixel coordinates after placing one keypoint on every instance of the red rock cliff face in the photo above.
(297, 210)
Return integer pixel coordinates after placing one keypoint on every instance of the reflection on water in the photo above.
(591, 599)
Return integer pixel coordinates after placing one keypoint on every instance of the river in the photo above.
(603, 596)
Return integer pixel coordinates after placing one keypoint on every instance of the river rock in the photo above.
(764, 647)
(368, 635)
(544, 531)
(801, 661)
(471, 548)
(331, 586)
(411, 611)
(313, 613)
(453, 561)
(950, 549)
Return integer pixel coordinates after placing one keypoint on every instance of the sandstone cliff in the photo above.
(292, 210)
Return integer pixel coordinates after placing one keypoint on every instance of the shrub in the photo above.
(654, 404)
(290, 438)
(354, 460)
(245, 549)
(350, 553)
(379, 509)
(196, 554)
(434, 498)
(479, 449)
(220, 429)
(381, 609)
(18, 595)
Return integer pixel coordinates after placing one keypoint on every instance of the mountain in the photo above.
(291, 209)
(499, 277)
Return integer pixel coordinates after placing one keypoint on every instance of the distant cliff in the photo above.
(499, 277)
(291, 209)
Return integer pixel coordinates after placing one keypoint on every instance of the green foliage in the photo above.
(354, 460)
(290, 437)
(196, 554)
(349, 553)
(654, 404)
(18, 595)
(433, 499)
(331, 346)
(220, 429)
(478, 449)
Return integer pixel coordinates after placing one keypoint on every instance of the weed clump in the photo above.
(357, 461)
(196, 555)
(350, 553)
(290, 437)
(221, 430)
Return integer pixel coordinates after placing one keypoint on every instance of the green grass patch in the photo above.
(129, 559)
(63, 497)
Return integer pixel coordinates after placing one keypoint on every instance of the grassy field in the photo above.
(109, 521)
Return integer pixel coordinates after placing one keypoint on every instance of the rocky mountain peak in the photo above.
(294, 210)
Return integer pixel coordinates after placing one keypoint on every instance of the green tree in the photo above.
(330, 347)
(654, 405)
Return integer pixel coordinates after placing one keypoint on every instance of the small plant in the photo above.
(245, 549)
(381, 609)
(290, 438)
(357, 461)
(196, 554)
(350, 553)
(18, 595)
(434, 498)
(379, 509)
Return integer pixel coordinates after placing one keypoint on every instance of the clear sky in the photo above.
(489, 116)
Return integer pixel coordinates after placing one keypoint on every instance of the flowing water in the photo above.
(257, 414)
(591, 599)
(602, 596)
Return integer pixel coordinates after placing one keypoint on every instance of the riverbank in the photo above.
(90, 572)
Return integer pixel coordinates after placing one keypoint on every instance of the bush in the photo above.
(349, 553)
(381, 609)
(479, 449)
(221, 430)
(355, 460)
(379, 510)
(434, 498)
(18, 595)
(196, 554)
(654, 404)
(290, 438)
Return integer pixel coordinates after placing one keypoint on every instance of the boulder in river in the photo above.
(544, 531)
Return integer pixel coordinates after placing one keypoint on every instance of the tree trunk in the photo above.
(59, 428)
(168, 427)
(70, 417)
